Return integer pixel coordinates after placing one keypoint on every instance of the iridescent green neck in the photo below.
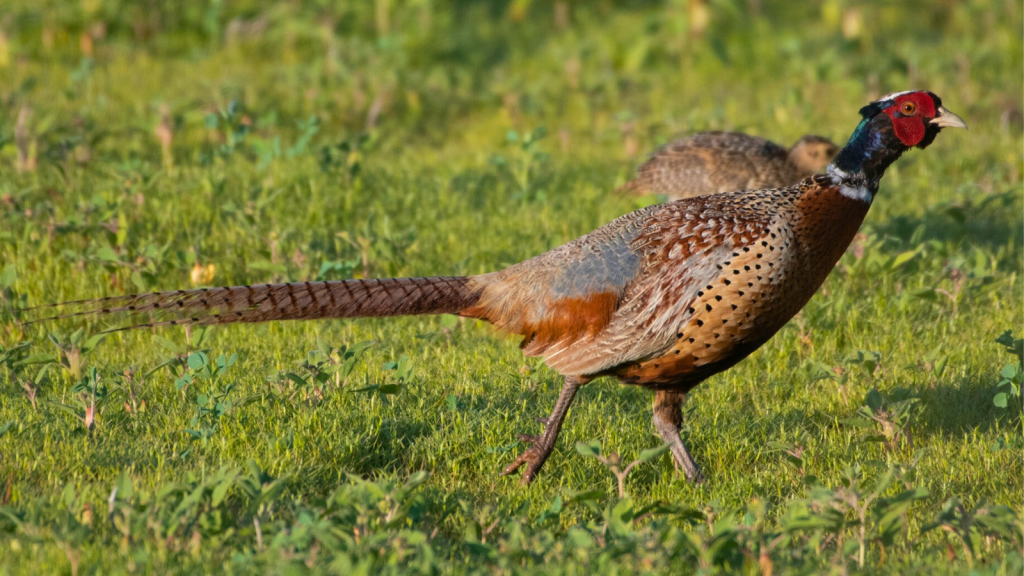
(873, 146)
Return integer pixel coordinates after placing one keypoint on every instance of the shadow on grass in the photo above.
(953, 410)
(386, 450)
(989, 221)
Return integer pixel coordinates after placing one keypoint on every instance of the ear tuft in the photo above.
(870, 111)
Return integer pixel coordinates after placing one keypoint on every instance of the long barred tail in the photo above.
(294, 301)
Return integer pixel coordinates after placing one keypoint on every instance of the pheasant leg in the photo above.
(542, 445)
(668, 416)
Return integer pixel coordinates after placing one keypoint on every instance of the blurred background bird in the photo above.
(714, 162)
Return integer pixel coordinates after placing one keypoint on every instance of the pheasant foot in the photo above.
(668, 416)
(542, 446)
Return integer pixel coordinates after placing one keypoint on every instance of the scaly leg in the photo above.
(668, 416)
(543, 445)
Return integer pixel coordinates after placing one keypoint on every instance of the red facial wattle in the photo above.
(910, 127)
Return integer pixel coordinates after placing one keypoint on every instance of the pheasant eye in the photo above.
(908, 108)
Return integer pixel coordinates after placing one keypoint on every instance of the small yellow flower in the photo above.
(203, 275)
(87, 515)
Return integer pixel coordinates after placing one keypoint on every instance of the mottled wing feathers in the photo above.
(775, 265)
(682, 246)
(702, 283)
(617, 295)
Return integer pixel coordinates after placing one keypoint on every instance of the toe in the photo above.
(513, 466)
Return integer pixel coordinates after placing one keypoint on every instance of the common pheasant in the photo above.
(713, 162)
(663, 297)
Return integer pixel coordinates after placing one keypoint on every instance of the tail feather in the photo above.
(293, 301)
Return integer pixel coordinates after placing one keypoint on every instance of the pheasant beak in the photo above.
(947, 119)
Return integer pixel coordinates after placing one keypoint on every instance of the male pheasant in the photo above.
(713, 162)
(663, 297)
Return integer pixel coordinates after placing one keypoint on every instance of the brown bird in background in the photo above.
(663, 297)
(713, 162)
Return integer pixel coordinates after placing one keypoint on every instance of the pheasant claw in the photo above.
(542, 446)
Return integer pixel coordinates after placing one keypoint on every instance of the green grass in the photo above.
(435, 184)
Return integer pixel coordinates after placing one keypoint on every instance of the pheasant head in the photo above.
(812, 153)
(889, 127)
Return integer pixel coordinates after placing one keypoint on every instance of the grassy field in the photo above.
(152, 146)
